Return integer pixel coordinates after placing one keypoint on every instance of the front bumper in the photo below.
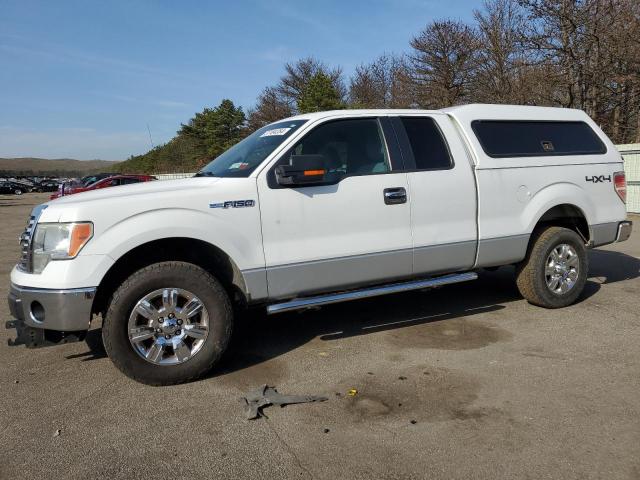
(47, 317)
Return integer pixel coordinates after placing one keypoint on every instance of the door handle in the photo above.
(394, 196)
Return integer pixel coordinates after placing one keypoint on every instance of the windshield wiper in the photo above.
(204, 174)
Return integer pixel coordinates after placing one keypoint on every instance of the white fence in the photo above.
(173, 176)
(631, 155)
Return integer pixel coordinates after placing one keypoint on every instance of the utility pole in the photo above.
(150, 139)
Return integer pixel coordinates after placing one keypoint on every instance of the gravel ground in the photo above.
(468, 381)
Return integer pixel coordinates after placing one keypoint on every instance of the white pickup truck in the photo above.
(318, 209)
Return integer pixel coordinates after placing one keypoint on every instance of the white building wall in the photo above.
(631, 154)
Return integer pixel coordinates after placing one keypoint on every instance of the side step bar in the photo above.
(309, 302)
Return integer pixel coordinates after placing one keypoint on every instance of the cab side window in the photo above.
(350, 147)
(429, 148)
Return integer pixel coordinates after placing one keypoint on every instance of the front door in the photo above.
(349, 234)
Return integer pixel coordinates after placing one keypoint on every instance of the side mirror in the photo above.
(303, 170)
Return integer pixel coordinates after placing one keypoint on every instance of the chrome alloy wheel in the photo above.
(168, 326)
(562, 269)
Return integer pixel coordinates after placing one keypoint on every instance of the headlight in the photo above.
(58, 241)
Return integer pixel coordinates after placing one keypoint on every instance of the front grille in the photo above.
(26, 263)
(25, 245)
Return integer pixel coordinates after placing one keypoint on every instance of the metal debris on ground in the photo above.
(264, 396)
(57, 433)
(352, 392)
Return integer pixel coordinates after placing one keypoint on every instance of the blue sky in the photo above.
(82, 79)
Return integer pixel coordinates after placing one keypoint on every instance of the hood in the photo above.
(113, 204)
(136, 189)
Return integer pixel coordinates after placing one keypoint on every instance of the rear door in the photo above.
(354, 232)
(443, 194)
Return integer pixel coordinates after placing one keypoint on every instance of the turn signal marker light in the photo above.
(310, 173)
(80, 235)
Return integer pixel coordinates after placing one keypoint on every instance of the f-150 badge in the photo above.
(233, 204)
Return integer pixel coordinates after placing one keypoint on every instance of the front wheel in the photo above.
(17, 191)
(554, 272)
(168, 323)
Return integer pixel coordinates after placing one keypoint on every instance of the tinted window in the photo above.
(524, 138)
(350, 147)
(429, 148)
(126, 181)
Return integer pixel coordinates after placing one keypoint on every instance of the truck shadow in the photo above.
(608, 266)
(431, 318)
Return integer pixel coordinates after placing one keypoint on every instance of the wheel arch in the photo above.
(562, 204)
(565, 215)
(198, 252)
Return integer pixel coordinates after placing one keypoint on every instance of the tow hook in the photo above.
(39, 337)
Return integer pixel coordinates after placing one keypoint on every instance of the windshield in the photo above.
(241, 159)
(88, 181)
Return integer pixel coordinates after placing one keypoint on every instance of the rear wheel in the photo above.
(168, 323)
(554, 272)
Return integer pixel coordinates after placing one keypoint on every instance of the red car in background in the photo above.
(112, 181)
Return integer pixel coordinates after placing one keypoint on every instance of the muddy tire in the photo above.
(554, 272)
(168, 323)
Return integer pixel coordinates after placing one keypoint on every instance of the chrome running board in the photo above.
(310, 302)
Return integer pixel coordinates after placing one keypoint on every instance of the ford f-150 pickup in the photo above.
(317, 209)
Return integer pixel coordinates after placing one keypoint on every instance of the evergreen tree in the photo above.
(216, 129)
(319, 94)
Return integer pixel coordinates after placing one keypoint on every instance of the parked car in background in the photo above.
(72, 183)
(14, 188)
(112, 181)
(91, 179)
(47, 186)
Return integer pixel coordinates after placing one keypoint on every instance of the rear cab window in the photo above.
(523, 138)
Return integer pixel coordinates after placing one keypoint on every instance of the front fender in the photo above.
(236, 232)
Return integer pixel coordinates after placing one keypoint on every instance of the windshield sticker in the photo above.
(275, 132)
(238, 166)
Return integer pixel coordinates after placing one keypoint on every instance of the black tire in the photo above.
(530, 273)
(17, 191)
(159, 276)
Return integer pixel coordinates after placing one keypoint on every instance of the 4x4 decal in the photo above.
(598, 179)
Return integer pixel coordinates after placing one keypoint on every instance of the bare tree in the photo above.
(503, 70)
(444, 61)
(383, 83)
(591, 46)
(297, 76)
(269, 108)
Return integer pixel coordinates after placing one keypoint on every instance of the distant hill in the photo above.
(61, 166)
